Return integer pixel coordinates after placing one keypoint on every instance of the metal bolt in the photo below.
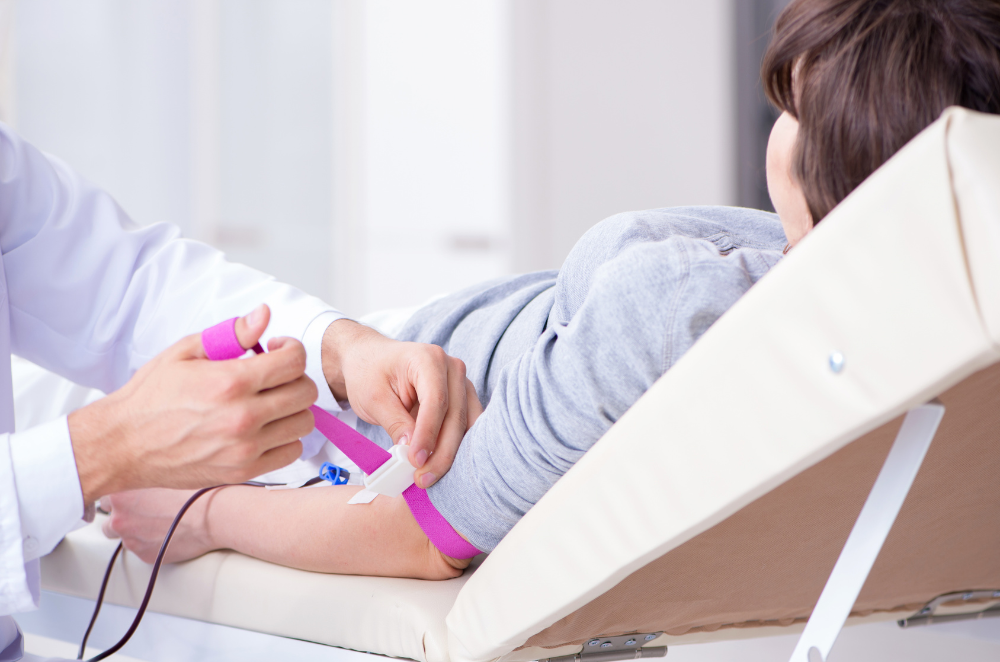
(606, 644)
(836, 361)
(967, 596)
(593, 642)
(650, 637)
(630, 642)
(996, 594)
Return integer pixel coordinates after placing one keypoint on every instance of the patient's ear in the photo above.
(785, 191)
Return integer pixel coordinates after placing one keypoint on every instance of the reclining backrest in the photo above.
(767, 563)
(741, 481)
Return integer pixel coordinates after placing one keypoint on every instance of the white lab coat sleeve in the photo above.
(50, 501)
(312, 339)
(15, 583)
(93, 296)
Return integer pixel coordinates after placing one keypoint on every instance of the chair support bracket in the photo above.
(869, 533)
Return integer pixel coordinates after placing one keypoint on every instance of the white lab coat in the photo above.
(88, 294)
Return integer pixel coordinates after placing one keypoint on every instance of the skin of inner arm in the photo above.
(311, 529)
(316, 529)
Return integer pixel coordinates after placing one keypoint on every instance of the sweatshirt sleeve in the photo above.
(644, 309)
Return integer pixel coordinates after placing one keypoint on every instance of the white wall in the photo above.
(432, 162)
(377, 152)
(496, 132)
(103, 85)
(618, 105)
(276, 138)
(214, 115)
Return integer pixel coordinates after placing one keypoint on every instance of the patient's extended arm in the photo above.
(311, 529)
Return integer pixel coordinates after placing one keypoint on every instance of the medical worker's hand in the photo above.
(417, 392)
(183, 421)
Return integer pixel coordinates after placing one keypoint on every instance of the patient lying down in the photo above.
(556, 357)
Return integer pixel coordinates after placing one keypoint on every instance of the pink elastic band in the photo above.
(365, 453)
(369, 456)
(220, 343)
(436, 527)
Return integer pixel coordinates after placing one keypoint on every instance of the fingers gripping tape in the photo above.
(220, 343)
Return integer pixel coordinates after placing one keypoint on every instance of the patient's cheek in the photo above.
(786, 193)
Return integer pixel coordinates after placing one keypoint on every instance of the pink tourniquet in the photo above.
(220, 343)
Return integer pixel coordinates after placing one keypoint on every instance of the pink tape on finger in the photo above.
(220, 343)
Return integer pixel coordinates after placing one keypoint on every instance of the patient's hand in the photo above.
(141, 519)
(311, 529)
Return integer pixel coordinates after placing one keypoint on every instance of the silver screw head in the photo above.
(593, 642)
(630, 642)
(650, 637)
(836, 361)
(606, 644)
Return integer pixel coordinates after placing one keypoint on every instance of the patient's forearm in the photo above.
(315, 529)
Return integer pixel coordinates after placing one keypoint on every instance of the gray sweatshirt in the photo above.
(558, 356)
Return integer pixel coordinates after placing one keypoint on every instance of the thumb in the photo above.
(249, 329)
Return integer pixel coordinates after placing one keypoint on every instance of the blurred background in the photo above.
(379, 152)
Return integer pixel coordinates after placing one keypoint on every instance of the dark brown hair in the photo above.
(871, 74)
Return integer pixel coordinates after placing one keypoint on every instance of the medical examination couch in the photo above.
(719, 505)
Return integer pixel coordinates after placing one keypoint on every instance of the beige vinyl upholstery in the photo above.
(884, 280)
(739, 480)
(767, 563)
(397, 617)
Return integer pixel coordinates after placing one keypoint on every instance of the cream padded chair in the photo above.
(747, 464)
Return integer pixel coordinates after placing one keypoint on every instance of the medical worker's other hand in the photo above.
(417, 392)
(183, 421)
